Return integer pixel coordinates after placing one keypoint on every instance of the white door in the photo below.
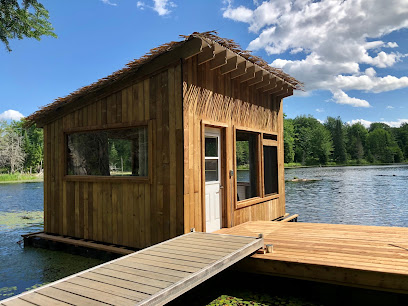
(212, 179)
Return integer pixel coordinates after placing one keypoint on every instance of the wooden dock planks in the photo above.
(153, 276)
(372, 257)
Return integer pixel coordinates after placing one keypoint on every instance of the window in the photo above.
(270, 170)
(115, 152)
(256, 166)
(247, 165)
(211, 159)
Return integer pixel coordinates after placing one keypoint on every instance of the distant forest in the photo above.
(310, 142)
(307, 142)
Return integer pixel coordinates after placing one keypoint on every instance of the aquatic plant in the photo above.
(20, 219)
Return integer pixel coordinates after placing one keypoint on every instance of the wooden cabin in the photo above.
(188, 136)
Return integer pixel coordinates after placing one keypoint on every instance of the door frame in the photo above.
(221, 127)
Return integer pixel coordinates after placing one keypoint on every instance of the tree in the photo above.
(321, 144)
(383, 147)
(28, 19)
(289, 140)
(336, 129)
(11, 148)
(313, 142)
(356, 142)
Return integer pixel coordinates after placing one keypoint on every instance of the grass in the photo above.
(20, 177)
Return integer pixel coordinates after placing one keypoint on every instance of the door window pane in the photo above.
(270, 169)
(211, 170)
(211, 147)
(247, 163)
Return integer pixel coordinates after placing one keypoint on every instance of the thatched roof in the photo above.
(134, 65)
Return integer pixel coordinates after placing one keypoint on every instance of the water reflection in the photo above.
(369, 195)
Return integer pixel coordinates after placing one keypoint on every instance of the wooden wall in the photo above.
(125, 211)
(213, 98)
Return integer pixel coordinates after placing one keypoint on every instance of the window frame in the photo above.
(101, 178)
(260, 166)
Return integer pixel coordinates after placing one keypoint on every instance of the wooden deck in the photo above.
(153, 276)
(370, 257)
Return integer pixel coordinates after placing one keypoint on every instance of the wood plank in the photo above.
(161, 264)
(111, 289)
(120, 282)
(39, 299)
(67, 297)
(163, 259)
(150, 268)
(85, 244)
(141, 279)
(17, 302)
(92, 293)
(144, 273)
(166, 254)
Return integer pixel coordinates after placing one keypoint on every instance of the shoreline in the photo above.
(345, 165)
(22, 181)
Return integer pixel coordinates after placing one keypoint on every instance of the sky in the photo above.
(351, 55)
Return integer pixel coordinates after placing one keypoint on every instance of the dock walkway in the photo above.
(152, 276)
(373, 257)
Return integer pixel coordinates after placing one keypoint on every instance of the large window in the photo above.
(247, 165)
(256, 166)
(115, 152)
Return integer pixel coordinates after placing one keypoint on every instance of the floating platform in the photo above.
(152, 276)
(372, 257)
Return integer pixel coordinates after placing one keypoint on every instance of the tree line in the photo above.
(306, 141)
(310, 142)
(21, 148)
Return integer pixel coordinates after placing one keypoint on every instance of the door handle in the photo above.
(221, 187)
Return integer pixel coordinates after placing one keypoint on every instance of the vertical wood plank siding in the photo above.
(136, 214)
(212, 97)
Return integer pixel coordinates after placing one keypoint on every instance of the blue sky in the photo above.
(351, 55)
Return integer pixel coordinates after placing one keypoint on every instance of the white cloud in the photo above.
(335, 37)
(396, 123)
(238, 14)
(162, 7)
(367, 123)
(319, 110)
(340, 97)
(11, 115)
(390, 107)
(108, 2)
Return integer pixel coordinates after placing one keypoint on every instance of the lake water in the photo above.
(21, 212)
(366, 195)
(371, 195)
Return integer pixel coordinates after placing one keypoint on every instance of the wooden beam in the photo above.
(273, 84)
(206, 55)
(241, 69)
(287, 93)
(219, 60)
(279, 89)
(265, 82)
(230, 66)
(250, 74)
(258, 78)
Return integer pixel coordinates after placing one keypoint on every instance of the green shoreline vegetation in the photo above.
(309, 142)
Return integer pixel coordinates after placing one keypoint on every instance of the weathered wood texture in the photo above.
(124, 211)
(373, 257)
(153, 276)
(214, 98)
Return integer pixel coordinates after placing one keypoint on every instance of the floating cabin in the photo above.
(188, 136)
